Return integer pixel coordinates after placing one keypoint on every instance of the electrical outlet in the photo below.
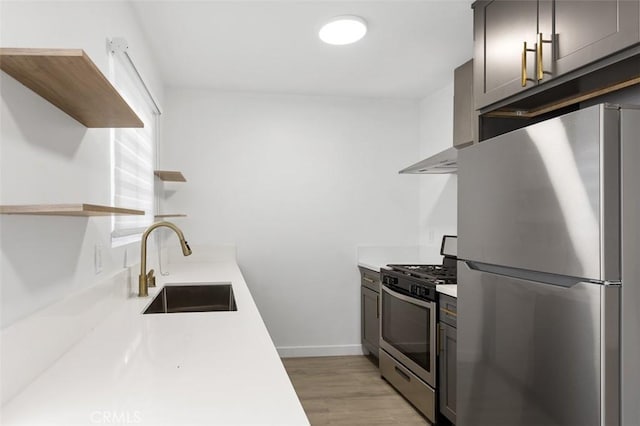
(432, 236)
(98, 258)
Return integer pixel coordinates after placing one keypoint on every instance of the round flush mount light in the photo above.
(345, 29)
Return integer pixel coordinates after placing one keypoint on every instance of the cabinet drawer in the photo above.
(370, 279)
(409, 385)
(448, 309)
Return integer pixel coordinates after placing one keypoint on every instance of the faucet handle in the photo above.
(151, 279)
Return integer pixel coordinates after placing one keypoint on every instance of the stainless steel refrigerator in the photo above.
(549, 273)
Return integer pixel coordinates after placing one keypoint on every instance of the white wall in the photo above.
(47, 157)
(438, 193)
(296, 183)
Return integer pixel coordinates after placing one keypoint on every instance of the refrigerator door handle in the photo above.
(524, 274)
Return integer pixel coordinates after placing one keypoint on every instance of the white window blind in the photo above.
(132, 156)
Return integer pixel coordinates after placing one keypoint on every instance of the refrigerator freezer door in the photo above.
(532, 354)
(545, 197)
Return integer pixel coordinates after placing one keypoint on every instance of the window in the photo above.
(132, 158)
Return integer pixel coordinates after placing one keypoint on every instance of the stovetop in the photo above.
(420, 281)
(432, 274)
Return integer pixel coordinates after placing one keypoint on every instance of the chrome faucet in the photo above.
(146, 280)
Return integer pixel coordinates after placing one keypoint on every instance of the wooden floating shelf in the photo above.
(71, 81)
(165, 216)
(169, 175)
(67, 210)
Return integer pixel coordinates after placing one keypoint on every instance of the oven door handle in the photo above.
(409, 299)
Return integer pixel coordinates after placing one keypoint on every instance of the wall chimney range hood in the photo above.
(440, 163)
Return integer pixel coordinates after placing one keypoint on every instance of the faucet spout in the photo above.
(144, 279)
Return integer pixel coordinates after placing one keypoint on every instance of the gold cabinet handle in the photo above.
(539, 57)
(448, 312)
(524, 65)
(369, 280)
(523, 77)
(540, 68)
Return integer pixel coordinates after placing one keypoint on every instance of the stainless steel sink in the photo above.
(193, 298)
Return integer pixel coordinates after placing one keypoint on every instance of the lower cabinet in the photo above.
(370, 310)
(447, 360)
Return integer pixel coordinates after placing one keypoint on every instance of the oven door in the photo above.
(407, 332)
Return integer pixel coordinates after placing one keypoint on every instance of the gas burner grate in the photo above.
(435, 274)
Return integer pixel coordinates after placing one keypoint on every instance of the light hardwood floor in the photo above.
(348, 390)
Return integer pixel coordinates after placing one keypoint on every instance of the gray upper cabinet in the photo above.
(586, 31)
(522, 43)
(501, 29)
(464, 115)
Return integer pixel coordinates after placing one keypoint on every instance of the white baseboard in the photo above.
(307, 351)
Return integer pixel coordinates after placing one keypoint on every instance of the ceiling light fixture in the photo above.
(343, 30)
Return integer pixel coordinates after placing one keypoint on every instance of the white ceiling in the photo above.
(410, 50)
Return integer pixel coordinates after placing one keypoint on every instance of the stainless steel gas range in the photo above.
(408, 326)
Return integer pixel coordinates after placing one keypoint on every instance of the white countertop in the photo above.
(371, 265)
(449, 289)
(186, 368)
